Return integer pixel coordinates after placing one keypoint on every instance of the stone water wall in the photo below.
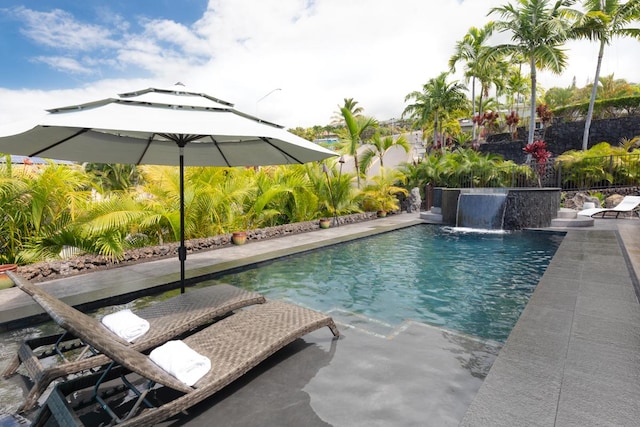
(86, 263)
(525, 207)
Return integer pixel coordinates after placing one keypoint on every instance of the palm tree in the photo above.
(114, 176)
(537, 32)
(379, 146)
(517, 85)
(436, 99)
(492, 72)
(604, 20)
(381, 193)
(335, 192)
(470, 49)
(559, 97)
(351, 105)
(355, 127)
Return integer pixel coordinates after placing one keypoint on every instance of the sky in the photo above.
(292, 62)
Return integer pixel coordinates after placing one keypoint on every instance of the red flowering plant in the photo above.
(512, 121)
(538, 151)
(488, 121)
(545, 115)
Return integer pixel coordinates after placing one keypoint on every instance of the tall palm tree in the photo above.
(435, 100)
(379, 146)
(470, 49)
(538, 30)
(351, 105)
(492, 72)
(604, 20)
(356, 126)
(517, 85)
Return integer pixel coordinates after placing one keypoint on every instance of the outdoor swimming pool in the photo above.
(474, 283)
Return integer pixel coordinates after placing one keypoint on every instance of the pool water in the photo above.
(473, 283)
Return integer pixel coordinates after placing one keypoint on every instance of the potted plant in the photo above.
(239, 237)
(5, 281)
(325, 223)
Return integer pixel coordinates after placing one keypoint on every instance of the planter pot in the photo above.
(325, 223)
(382, 214)
(239, 237)
(5, 282)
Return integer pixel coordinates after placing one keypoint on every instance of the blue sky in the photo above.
(316, 52)
(65, 43)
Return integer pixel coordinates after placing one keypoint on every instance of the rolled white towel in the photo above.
(126, 324)
(181, 361)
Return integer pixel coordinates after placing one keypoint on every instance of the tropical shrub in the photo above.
(381, 192)
(601, 165)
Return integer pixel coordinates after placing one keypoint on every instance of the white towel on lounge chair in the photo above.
(181, 361)
(126, 324)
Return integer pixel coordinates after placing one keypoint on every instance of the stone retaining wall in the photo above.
(562, 137)
(82, 264)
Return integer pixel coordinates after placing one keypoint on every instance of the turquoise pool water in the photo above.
(469, 282)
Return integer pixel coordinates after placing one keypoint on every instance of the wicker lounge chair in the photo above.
(234, 345)
(168, 319)
(628, 204)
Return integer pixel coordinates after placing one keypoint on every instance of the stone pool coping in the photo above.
(572, 358)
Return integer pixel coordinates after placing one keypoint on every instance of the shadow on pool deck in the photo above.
(572, 358)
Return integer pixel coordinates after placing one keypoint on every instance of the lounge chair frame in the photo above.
(234, 345)
(168, 319)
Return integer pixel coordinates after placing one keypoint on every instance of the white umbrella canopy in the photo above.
(144, 127)
(160, 127)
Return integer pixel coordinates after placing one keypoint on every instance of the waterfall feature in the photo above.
(481, 210)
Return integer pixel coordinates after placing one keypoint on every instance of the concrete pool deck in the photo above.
(572, 359)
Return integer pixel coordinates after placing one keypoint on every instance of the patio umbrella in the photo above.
(160, 127)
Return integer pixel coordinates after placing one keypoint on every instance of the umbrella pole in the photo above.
(182, 250)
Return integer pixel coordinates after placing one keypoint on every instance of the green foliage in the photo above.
(380, 194)
(602, 108)
(602, 163)
(464, 168)
(335, 189)
(378, 147)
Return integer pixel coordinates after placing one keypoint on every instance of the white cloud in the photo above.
(64, 64)
(59, 30)
(317, 52)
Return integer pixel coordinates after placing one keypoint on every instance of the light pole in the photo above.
(269, 93)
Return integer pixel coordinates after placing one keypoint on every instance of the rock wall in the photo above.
(82, 264)
(623, 191)
(561, 137)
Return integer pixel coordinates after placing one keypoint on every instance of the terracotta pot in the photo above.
(325, 223)
(382, 214)
(239, 237)
(5, 282)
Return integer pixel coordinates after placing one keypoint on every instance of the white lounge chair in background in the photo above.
(628, 204)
